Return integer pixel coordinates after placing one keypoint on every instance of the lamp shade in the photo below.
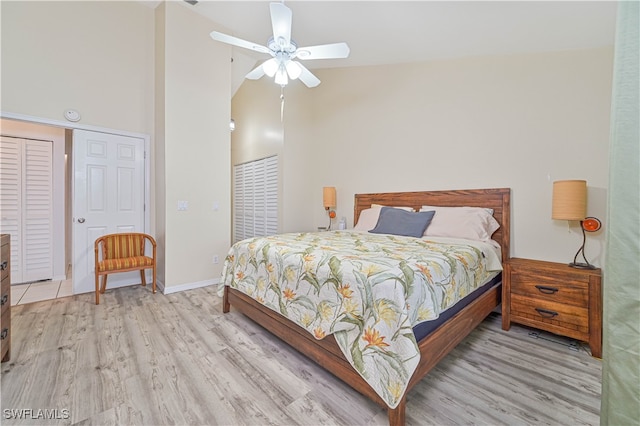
(569, 200)
(329, 197)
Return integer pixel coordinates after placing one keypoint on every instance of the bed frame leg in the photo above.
(226, 306)
(396, 415)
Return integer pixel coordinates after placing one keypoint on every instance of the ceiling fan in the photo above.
(284, 51)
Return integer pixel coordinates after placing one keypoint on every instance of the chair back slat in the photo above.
(118, 246)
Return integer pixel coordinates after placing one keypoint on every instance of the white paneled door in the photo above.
(26, 175)
(108, 197)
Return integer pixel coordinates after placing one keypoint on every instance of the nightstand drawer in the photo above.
(4, 261)
(5, 296)
(5, 331)
(545, 288)
(572, 321)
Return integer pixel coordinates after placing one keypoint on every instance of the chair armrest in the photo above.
(153, 244)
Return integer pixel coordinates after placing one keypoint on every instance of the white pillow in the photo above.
(369, 217)
(470, 223)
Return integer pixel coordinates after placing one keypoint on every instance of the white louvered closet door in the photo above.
(255, 194)
(26, 176)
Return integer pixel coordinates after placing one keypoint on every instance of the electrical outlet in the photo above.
(215, 259)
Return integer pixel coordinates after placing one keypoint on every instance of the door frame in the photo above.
(78, 126)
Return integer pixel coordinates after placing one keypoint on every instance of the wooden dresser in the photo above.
(554, 297)
(5, 298)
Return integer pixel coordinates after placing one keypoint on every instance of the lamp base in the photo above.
(585, 264)
(582, 265)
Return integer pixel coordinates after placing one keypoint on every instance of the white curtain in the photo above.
(621, 289)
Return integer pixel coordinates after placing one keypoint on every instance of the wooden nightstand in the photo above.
(554, 297)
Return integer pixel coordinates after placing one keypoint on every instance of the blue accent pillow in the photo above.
(400, 222)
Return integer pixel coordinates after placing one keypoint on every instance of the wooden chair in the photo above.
(122, 253)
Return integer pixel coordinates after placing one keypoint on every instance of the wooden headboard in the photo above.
(498, 199)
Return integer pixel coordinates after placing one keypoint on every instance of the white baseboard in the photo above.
(186, 286)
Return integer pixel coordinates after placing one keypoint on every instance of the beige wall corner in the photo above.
(193, 163)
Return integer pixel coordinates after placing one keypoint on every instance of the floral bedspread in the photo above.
(369, 290)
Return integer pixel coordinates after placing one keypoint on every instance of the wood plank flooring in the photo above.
(145, 359)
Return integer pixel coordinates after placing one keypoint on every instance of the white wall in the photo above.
(92, 56)
(159, 158)
(56, 136)
(518, 121)
(194, 119)
(95, 57)
(101, 58)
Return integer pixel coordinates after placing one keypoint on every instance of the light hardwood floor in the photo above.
(139, 358)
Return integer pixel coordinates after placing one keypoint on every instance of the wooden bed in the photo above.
(433, 347)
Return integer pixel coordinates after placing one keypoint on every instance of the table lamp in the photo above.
(570, 203)
(329, 202)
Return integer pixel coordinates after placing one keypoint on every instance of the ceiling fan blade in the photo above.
(257, 72)
(281, 22)
(323, 51)
(307, 77)
(239, 42)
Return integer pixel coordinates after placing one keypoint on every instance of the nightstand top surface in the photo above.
(552, 265)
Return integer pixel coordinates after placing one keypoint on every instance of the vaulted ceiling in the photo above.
(384, 32)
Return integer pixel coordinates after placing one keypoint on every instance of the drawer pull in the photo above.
(4, 265)
(546, 313)
(546, 290)
(4, 299)
(4, 334)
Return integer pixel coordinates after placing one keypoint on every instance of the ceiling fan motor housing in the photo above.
(280, 47)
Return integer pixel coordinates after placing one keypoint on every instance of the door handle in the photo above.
(81, 220)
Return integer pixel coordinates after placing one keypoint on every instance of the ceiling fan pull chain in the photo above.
(281, 104)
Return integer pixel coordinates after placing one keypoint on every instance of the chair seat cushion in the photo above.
(125, 263)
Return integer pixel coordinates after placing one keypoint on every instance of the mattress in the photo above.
(425, 328)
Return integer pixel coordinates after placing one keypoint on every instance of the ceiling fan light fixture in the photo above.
(293, 69)
(270, 67)
(281, 76)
